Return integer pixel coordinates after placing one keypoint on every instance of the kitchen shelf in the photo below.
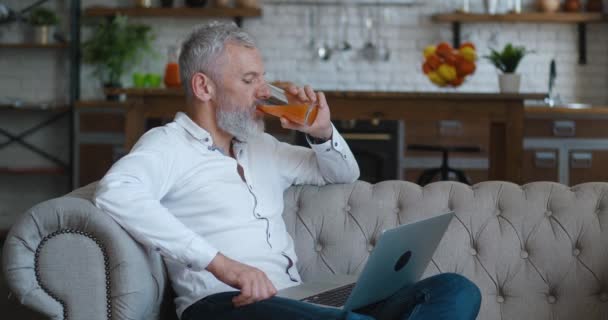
(580, 19)
(34, 46)
(530, 17)
(180, 12)
(34, 171)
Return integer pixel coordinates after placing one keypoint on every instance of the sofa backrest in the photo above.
(537, 251)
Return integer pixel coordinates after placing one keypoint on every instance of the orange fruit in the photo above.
(443, 49)
(434, 61)
(457, 82)
(451, 58)
(465, 68)
(426, 68)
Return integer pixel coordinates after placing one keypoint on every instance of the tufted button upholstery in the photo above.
(576, 252)
(318, 247)
(347, 208)
(370, 247)
(521, 252)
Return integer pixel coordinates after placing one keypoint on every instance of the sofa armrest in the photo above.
(69, 260)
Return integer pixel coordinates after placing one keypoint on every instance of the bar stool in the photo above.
(444, 170)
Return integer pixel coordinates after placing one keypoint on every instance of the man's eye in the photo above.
(248, 81)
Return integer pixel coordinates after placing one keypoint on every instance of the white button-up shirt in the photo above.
(179, 195)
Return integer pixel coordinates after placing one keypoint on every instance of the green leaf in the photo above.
(508, 59)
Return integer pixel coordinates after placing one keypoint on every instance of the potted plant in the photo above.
(114, 47)
(43, 21)
(507, 61)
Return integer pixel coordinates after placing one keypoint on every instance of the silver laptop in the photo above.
(399, 259)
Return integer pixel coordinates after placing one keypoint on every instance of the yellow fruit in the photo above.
(436, 78)
(429, 50)
(468, 54)
(447, 72)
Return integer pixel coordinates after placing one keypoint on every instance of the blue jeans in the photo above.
(444, 296)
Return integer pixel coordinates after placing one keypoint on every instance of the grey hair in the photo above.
(200, 51)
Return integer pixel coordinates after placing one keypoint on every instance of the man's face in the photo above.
(239, 89)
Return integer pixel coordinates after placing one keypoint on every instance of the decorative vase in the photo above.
(490, 6)
(509, 82)
(548, 6)
(42, 34)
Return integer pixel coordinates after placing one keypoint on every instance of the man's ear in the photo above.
(202, 86)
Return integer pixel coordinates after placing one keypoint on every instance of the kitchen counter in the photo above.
(503, 113)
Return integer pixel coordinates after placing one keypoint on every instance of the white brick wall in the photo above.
(284, 36)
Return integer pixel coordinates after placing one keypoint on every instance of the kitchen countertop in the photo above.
(360, 94)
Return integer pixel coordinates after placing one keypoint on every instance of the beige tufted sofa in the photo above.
(538, 251)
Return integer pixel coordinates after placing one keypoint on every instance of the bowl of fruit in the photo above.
(446, 66)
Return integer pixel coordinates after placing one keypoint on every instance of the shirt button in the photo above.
(189, 266)
(206, 139)
(335, 144)
(257, 214)
(328, 149)
(157, 249)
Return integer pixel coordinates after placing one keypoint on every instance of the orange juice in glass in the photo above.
(278, 106)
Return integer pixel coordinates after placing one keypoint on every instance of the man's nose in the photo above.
(264, 92)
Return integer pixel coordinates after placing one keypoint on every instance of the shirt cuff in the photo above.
(335, 143)
(199, 254)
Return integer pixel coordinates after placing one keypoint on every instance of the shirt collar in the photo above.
(192, 128)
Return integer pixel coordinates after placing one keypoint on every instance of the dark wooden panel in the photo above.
(102, 122)
(95, 161)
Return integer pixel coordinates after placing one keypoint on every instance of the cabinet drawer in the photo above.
(566, 128)
(588, 166)
(541, 165)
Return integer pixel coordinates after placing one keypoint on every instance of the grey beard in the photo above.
(240, 124)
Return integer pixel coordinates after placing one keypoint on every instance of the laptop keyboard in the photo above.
(334, 297)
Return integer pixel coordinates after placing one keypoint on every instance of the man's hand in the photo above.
(321, 128)
(253, 283)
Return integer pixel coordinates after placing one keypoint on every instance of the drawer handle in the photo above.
(564, 128)
(545, 159)
(581, 160)
(450, 128)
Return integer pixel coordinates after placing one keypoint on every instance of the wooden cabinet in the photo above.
(475, 175)
(541, 165)
(566, 146)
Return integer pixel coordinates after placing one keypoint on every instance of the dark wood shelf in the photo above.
(102, 11)
(581, 19)
(88, 104)
(33, 171)
(34, 46)
(529, 17)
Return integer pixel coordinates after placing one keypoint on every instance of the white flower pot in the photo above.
(42, 34)
(509, 82)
